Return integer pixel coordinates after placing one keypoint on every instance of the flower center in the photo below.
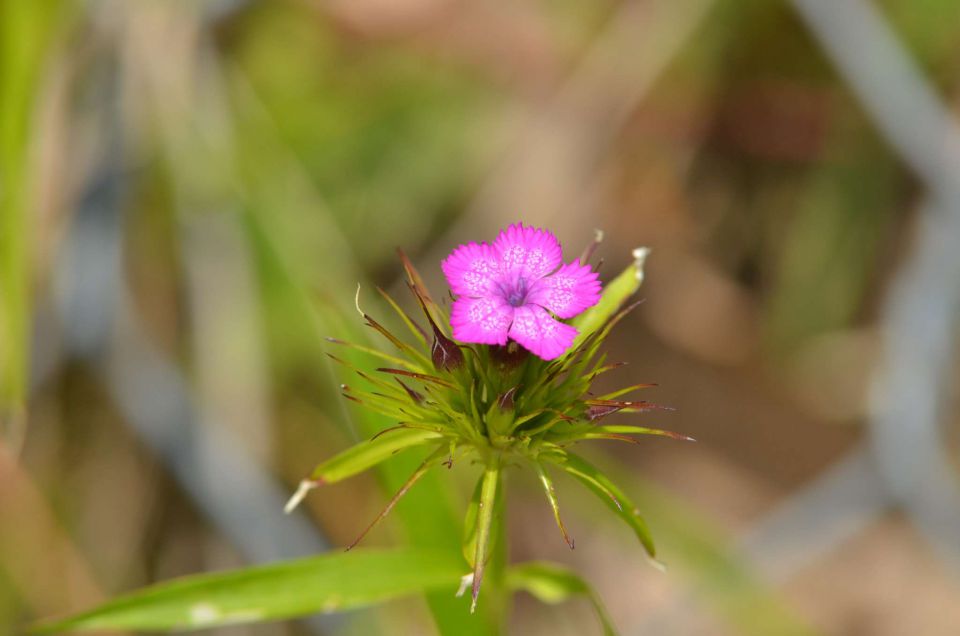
(516, 295)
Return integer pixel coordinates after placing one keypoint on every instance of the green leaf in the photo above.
(28, 32)
(415, 329)
(615, 294)
(362, 456)
(415, 280)
(374, 353)
(610, 494)
(552, 583)
(470, 524)
(327, 583)
(601, 431)
(554, 504)
(485, 518)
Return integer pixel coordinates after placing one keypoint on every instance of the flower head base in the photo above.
(509, 290)
(482, 400)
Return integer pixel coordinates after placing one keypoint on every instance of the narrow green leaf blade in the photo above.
(610, 494)
(415, 329)
(364, 455)
(551, 494)
(640, 430)
(327, 583)
(489, 485)
(28, 34)
(470, 524)
(615, 294)
(552, 583)
(427, 464)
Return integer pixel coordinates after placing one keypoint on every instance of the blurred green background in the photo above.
(191, 191)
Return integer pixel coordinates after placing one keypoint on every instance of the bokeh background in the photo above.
(191, 191)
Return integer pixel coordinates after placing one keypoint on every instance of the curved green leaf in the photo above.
(610, 494)
(551, 494)
(552, 583)
(327, 583)
(364, 455)
(615, 294)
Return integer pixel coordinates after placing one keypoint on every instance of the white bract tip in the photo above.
(639, 256)
(598, 235)
(660, 565)
(305, 486)
(356, 302)
(465, 582)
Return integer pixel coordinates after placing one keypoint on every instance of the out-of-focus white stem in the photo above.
(305, 486)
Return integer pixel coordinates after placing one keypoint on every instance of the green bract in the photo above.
(495, 406)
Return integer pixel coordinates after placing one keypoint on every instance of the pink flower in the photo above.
(516, 288)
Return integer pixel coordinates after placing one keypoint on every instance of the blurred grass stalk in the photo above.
(26, 30)
(205, 153)
(38, 558)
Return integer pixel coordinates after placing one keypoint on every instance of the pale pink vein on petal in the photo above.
(567, 292)
(481, 320)
(472, 269)
(539, 333)
(528, 252)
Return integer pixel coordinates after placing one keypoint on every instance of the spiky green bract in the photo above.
(496, 406)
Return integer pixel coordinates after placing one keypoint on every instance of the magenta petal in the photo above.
(481, 320)
(567, 292)
(528, 252)
(539, 333)
(471, 269)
